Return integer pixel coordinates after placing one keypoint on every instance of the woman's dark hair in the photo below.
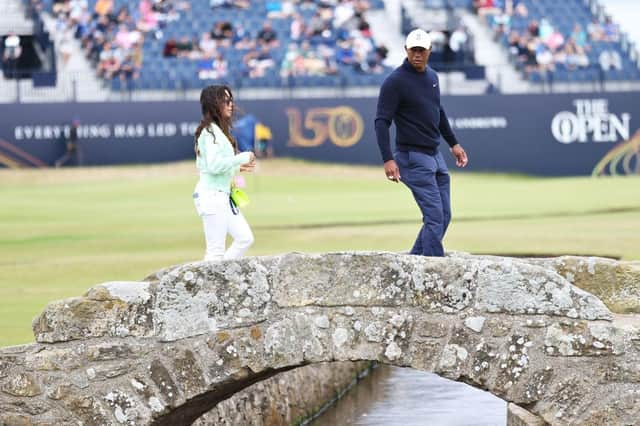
(212, 101)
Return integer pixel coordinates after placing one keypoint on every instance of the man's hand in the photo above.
(460, 154)
(392, 171)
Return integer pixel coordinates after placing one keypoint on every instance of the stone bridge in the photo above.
(165, 350)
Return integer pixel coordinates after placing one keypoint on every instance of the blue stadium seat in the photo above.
(564, 15)
(169, 73)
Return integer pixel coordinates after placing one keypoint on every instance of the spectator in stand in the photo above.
(220, 66)
(610, 59)
(222, 33)
(83, 24)
(521, 51)
(545, 29)
(299, 61)
(344, 15)
(12, 53)
(245, 43)
(137, 56)
(167, 10)
(344, 52)
(458, 42)
(611, 31)
(502, 26)
(280, 9)
(273, 8)
(258, 61)
(93, 46)
(184, 47)
(196, 53)
(544, 57)
(576, 57)
(383, 53)
(103, 24)
(326, 10)
(363, 27)
(267, 36)
(76, 9)
(513, 41)
(595, 30)
(297, 28)
(375, 62)
(240, 4)
(213, 69)
(554, 40)
(60, 7)
(124, 17)
(316, 25)
(110, 60)
(307, 5)
(529, 61)
(486, 8)
(313, 64)
(148, 18)
(205, 69)
(328, 54)
(238, 33)
(534, 28)
(361, 6)
(579, 36)
(122, 39)
(287, 65)
(65, 46)
(104, 7)
(518, 8)
(170, 48)
(362, 46)
(438, 40)
(12, 47)
(561, 56)
(207, 45)
(128, 70)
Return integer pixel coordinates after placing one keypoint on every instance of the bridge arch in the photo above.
(166, 349)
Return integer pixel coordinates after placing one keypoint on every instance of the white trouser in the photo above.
(219, 220)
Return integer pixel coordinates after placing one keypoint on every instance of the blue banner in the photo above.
(553, 135)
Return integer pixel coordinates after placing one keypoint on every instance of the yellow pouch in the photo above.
(239, 197)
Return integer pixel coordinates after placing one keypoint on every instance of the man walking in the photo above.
(410, 97)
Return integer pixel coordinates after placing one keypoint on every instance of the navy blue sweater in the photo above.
(412, 100)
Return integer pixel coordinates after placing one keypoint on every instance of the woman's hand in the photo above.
(250, 166)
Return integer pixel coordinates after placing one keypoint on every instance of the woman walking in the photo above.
(218, 163)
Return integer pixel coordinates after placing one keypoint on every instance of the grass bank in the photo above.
(63, 231)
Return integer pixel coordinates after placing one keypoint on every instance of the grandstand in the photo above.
(104, 50)
(570, 41)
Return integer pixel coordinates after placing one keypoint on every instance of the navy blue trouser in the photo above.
(427, 177)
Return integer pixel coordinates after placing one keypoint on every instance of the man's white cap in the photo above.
(418, 38)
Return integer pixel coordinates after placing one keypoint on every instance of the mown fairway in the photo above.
(63, 231)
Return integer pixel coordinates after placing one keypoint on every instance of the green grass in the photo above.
(63, 231)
